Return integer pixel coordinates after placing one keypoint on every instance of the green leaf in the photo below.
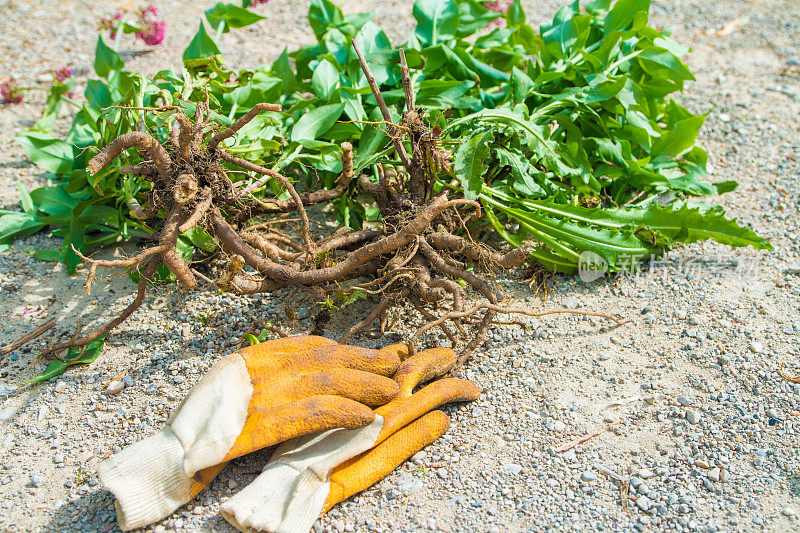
(679, 138)
(75, 356)
(622, 14)
(473, 16)
(437, 20)
(322, 15)
(48, 254)
(469, 163)
(515, 16)
(314, 123)
(325, 80)
(618, 235)
(202, 45)
(106, 59)
(46, 151)
(233, 16)
(25, 200)
(14, 225)
(283, 70)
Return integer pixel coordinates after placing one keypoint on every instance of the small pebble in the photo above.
(115, 387)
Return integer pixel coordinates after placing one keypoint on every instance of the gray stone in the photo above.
(645, 473)
(643, 503)
(693, 417)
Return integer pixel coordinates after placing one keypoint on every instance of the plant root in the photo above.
(422, 251)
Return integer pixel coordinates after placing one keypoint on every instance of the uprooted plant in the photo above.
(414, 254)
(470, 148)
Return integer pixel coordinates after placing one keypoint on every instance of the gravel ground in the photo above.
(698, 431)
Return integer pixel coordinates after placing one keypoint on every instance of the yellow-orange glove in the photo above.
(311, 474)
(251, 399)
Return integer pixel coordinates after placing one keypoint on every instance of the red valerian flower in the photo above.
(499, 6)
(257, 2)
(110, 24)
(63, 74)
(152, 32)
(9, 91)
(146, 12)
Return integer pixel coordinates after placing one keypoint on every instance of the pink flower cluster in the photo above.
(110, 24)
(63, 74)
(499, 6)
(9, 91)
(151, 32)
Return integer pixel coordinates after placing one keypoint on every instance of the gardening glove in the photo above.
(256, 397)
(311, 474)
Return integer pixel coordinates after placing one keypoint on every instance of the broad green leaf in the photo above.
(202, 45)
(622, 14)
(316, 122)
(515, 15)
(233, 16)
(325, 80)
(106, 59)
(322, 15)
(469, 163)
(14, 225)
(48, 254)
(46, 151)
(679, 138)
(437, 20)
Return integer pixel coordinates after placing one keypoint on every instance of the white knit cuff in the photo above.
(148, 479)
(280, 500)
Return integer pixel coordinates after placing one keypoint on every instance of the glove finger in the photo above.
(362, 471)
(400, 413)
(268, 426)
(383, 362)
(423, 366)
(364, 387)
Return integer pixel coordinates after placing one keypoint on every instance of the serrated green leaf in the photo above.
(469, 163)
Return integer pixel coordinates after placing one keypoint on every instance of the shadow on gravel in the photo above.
(95, 512)
(92, 511)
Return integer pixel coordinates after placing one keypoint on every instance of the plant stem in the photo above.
(220, 31)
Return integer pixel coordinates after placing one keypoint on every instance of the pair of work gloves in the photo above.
(344, 418)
